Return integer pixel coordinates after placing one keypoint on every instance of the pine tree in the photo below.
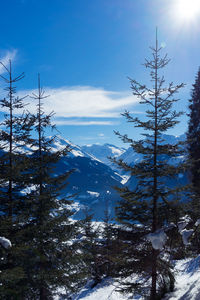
(13, 138)
(145, 209)
(193, 138)
(52, 259)
(15, 134)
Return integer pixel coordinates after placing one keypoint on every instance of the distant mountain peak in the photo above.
(102, 152)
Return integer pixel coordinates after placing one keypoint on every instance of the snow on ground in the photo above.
(5, 242)
(186, 234)
(106, 290)
(157, 239)
(187, 286)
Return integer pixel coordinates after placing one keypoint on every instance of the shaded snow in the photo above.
(106, 290)
(157, 239)
(186, 234)
(187, 286)
(197, 222)
(5, 242)
(184, 221)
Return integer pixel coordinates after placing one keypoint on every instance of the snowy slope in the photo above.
(187, 285)
(102, 152)
(76, 150)
(106, 290)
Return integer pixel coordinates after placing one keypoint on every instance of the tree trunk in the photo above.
(154, 275)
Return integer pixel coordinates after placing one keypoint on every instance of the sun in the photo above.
(186, 10)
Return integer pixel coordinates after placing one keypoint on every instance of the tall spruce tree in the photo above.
(145, 209)
(193, 142)
(193, 138)
(15, 133)
(52, 257)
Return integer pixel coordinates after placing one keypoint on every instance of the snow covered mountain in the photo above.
(102, 152)
(94, 176)
(92, 181)
(130, 157)
(91, 184)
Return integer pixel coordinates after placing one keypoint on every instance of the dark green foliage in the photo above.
(45, 255)
(146, 208)
(14, 135)
(193, 134)
(90, 247)
(52, 256)
(175, 243)
(193, 139)
(109, 243)
(133, 263)
(99, 244)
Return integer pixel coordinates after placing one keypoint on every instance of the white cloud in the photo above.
(84, 102)
(101, 134)
(10, 55)
(83, 123)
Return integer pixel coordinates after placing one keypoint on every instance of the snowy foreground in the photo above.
(187, 285)
(104, 291)
(187, 280)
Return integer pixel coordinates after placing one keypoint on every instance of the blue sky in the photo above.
(84, 51)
